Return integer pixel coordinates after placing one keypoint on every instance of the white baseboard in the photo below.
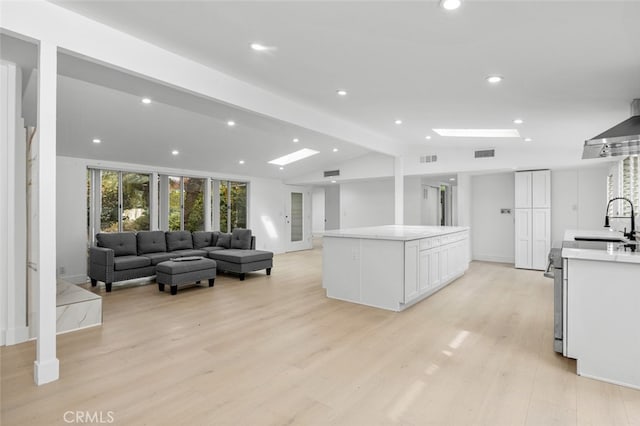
(46, 372)
(495, 259)
(75, 279)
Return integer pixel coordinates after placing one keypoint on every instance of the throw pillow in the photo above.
(224, 241)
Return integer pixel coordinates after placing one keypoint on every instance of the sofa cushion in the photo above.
(151, 242)
(179, 240)
(202, 239)
(241, 256)
(224, 241)
(214, 238)
(241, 239)
(188, 252)
(158, 257)
(130, 262)
(210, 249)
(122, 243)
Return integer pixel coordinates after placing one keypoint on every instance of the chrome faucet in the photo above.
(631, 235)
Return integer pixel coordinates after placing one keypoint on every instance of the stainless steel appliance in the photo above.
(554, 270)
(622, 139)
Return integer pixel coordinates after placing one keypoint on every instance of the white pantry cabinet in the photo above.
(532, 219)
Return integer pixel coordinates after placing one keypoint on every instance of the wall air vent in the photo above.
(428, 158)
(485, 153)
(330, 173)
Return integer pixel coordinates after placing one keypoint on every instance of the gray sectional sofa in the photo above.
(121, 256)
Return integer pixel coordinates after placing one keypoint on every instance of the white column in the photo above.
(398, 168)
(46, 366)
(207, 205)
(153, 202)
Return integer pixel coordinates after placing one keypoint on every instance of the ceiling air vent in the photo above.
(485, 153)
(428, 158)
(330, 173)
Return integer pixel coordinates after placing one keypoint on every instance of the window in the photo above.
(233, 205)
(625, 182)
(135, 202)
(124, 201)
(630, 181)
(186, 203)
(132, 201)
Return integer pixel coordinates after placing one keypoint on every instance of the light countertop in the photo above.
(612, 253)
(395, 232)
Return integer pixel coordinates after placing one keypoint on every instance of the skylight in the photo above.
(294, 156)
(479, 133)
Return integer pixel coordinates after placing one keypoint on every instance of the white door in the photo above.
(523, 190)
(523, 238)
(540, 238)
(297, 219)
(430, 206)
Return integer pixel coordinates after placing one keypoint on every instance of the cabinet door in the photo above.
(444, 264)
(411, 270)
(541, 238)
(541, 189)
(424, 271)
(523, 190)
(434, 268)
(523, 238)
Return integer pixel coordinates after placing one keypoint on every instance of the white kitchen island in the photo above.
(393, 266)
(602, 310)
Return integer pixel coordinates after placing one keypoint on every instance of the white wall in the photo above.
(367, 203)
(13, 206)
(71, 227)
(412, 200)
(492, 233)
(578, 199)
(317, 208)
(372, 165)
(266, 212)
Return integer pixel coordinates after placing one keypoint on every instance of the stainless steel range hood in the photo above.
(622, 139)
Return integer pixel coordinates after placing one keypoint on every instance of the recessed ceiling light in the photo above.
(341, 92)
(479, 133)
(333, 181)
(175, 152)
(398, 121)
(450, 4)
(452, 179)
(427, 137)
(96, 140)
(528, 139)
(241, 162)
(294, 156)
(494, 79)
(259, 47)
(518, 121)
(146, 100)
(335, 149)
(231, 123)
(296, 140)
(281, 168)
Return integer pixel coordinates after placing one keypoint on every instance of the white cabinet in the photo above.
(523, 190)
(411, 270)
(431, 263)
(541, 189)
(532, 219)
(523, 238)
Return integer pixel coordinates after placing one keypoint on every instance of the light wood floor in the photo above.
(275, 350)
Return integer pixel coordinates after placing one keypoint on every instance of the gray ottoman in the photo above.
(185, 270)
(242, 261)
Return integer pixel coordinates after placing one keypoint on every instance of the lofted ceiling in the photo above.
(570, 68)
